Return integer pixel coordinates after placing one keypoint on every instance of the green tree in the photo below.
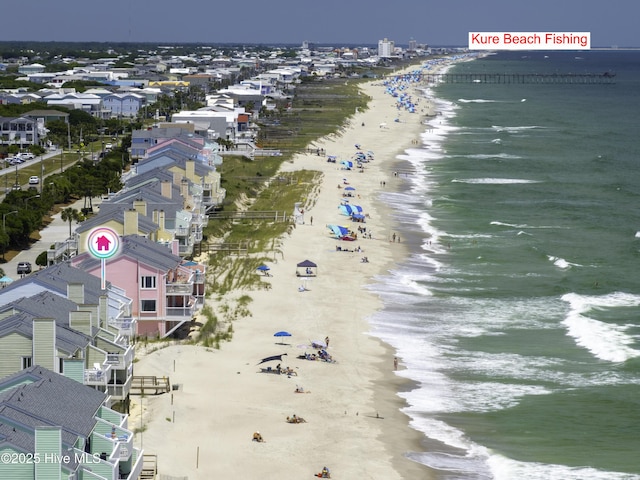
(58, 131)
(70, 214)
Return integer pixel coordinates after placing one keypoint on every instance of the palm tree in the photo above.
(70, 214)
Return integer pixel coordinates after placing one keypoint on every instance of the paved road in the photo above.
(56, 231)
(7, 182)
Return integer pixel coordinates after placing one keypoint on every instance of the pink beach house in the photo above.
(166, 291)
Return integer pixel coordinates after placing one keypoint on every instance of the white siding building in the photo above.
(386, 48)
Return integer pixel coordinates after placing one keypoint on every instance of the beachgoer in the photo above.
(395, 363)
(326, 341)
(311, 220)
(257, 437)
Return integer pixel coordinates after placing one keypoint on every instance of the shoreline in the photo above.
(220, 397)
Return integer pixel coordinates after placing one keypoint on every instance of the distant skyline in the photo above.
(322, 22)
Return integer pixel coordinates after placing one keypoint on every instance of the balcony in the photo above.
(200, 220)
(97, 376)
(137, 461)
(187, 311)
(126, 325)
(198, 277)
(62, 251)
(179, 288)
(119, 391)
(121, 361)
(185, 250)
(182, 231)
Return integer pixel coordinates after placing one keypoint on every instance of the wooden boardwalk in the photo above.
(275, 215)
(149, 467)
(239, 248)
(153, 385)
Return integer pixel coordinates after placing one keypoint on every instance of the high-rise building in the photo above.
(386, 48)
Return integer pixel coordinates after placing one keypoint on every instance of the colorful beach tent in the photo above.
(349, 210)
(348, 165)
(338, 231)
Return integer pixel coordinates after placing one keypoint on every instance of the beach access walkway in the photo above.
(150, 384)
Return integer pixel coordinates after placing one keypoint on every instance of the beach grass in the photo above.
(320, 108)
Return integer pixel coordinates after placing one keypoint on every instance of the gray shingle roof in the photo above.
(157, 174)
(154, 200)
(149, 253)
(67, 339)
(45, 305)
(145, 224)
(165, 159)
(37, 397)
(56, 278)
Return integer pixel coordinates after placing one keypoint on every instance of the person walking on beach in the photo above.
(395, 363)
(311, 220)
(326, 341)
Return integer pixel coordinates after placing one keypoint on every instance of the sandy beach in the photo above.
(203, 429)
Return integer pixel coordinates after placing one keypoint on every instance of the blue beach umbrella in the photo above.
(263, 268)
(282, 333)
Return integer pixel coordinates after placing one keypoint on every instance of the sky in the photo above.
(348, 22)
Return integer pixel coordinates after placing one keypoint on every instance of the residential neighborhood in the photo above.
(68, 329)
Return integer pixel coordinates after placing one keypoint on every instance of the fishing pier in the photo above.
(520, 78)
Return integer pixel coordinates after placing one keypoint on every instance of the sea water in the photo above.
(517, 310)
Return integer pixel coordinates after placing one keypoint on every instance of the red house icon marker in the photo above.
(103, 243)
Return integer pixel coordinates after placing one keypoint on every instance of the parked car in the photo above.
(34, 180)
(16, 187)
(108, 146)
(24, 268)
(26, 156)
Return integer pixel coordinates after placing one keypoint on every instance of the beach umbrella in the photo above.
(282, 333)
(263, 268)
(349, 188)
(271, 358)
(318, 344)
(6, 279)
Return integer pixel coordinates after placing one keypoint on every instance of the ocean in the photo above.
(517, 310)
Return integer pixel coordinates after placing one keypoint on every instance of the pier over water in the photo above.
(520, 78)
